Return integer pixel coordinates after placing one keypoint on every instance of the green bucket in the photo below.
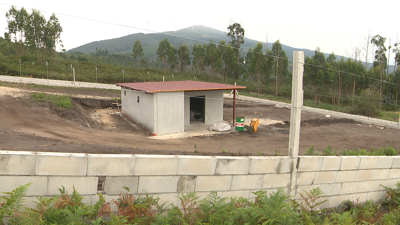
(239, 123)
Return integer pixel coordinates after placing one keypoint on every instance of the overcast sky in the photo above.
(334, 26)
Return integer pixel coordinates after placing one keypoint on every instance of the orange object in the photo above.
(254, 124)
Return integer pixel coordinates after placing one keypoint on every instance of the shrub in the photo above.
(368, 103)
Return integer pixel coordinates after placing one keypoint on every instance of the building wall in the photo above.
(168, 176)
(169, 117)
(142, 111)
(213, 106)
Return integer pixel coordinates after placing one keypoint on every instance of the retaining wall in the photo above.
(168, 176)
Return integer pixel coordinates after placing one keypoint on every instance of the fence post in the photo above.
(295, 116)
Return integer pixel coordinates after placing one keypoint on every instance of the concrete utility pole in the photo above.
(295, 115)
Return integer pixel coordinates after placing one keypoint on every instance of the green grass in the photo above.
(61, 101)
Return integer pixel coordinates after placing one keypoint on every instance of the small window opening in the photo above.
(124, 93)
(137, 98)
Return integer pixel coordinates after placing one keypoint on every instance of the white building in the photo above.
(166, 107)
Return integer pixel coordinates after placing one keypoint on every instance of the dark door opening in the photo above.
(197, 109)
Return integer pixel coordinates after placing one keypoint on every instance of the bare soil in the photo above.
(94, 125)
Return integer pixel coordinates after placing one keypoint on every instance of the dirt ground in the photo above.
(94, 125)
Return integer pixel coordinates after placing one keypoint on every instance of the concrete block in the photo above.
(384, 162)
(364, 175)
(350, 163)
(396, 162)
(285, 165)
(244, 182)
(17, 164)
(338, 199)
(325, 177)
(260, 164)
(376, 196)
(156, 165)
(186, 184)
(310, 163)
(61, 164)
(394, 173)
(305, 178)
(368, 162)
(83, 185)
(275, 180)
(10, 183)
(165, 184)
(330, 189)
(213, 183)
(391, 183)
(196, 165)
(331, 163)
(351, 187)
(368, 186)
(234, 194)
(346, 176)
(232, 165)
(110, 165)
(114, 185)
(380, 174)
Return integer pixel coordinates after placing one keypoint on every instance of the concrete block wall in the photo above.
(357, 178)
(168, 176)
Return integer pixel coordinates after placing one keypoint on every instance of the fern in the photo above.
(12, 205)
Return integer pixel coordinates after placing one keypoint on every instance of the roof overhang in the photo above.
(173, 86)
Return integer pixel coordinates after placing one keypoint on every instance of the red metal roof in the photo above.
(170, 86)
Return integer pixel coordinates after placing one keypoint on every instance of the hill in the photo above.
(188, 36)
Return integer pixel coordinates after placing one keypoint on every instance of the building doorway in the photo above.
(197, 109)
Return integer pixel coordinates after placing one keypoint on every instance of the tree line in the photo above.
(223, 60)
(32, 32)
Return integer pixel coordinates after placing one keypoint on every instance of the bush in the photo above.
(368, 103)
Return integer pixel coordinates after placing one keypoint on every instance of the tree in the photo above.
(16, 25)
(163, 51)
(211, 56)
(280, 65)
(137, 52)
(35, 33)
(198, 57)
(53, 30)
(257, 60)
(172, 57)
(380, 57)
(236, 34)
(183, 56)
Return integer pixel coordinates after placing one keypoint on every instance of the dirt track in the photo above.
(92, 127)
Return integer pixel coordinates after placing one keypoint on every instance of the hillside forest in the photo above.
(31, 47)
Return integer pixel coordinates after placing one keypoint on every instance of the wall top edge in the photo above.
(63, 154)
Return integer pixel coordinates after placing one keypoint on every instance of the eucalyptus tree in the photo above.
(137, 52)
(163, 52)
(183, 56)
(236, 34)
(257, 59)
(36, 33)
(228, 59)
(198, 53)
(172, 57)
(16, 25)
(53, 31)
(380, 57)
(281, 64)
(211, 56)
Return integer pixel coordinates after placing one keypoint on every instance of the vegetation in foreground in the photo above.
(328, 151)
(267, 208)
